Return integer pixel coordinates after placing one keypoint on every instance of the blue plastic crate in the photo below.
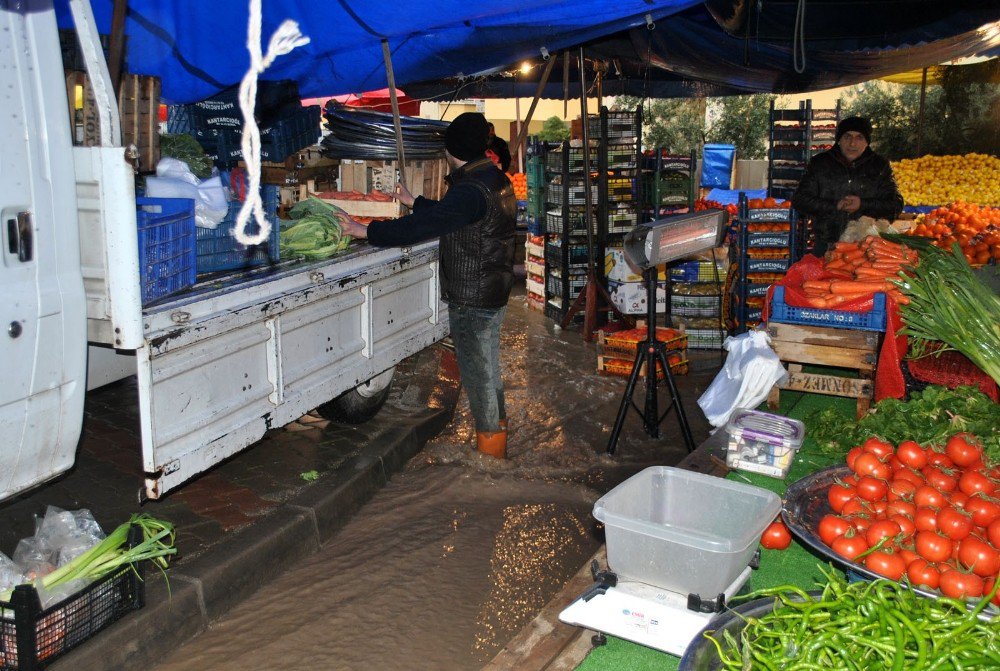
(873, 320)
(166, 234)
(277, 141)
(218, 250)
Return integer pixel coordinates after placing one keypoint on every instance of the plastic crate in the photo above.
(554, 159)
(577, 193)
(553, 255)
(705, 338)
(623, 344)
(555, 284)
(554, 223)
(277, 141)
(695, 306)
(874, 320)
(218, 250)
(166, 234)
(698, 271)
(32, 637)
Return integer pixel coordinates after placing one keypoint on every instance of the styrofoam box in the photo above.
(683, 531)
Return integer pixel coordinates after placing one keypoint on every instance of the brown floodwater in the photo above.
(458, 552)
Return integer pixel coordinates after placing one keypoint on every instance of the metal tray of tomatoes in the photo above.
(805, 505)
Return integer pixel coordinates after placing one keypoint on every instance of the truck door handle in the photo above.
(19, 236)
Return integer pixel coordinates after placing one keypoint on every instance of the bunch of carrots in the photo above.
(860, 269)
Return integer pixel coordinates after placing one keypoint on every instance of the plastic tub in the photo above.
(683, 531)
(763, 443)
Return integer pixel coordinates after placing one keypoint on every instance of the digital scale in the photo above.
(646, 614)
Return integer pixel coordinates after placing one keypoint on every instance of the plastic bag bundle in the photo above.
(752, 368)
(174, 179)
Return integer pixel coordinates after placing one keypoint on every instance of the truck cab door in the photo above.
(43, 339)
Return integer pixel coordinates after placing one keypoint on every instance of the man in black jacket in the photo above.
(499, 147)
(847, 182)
(475, 223)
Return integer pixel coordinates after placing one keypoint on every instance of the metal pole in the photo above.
(565, 84)
(523, 133)
(387, 56)
(517, 148)
(920, 112)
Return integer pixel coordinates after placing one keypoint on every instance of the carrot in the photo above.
(856, 286)
(816, 284)
(853, 253)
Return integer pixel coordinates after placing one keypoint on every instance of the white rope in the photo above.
(284, 39)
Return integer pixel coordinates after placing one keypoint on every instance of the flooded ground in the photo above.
(460, 551)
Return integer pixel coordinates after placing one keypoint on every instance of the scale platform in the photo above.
(644, 614)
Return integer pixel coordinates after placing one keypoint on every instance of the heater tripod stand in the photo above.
(649, 354)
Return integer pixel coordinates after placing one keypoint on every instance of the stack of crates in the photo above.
(536, 193)
(696, 301)
(764, 243)
(616, 351)
(534, 267)
(668, 184)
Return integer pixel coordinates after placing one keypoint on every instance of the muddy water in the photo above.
(458, 552)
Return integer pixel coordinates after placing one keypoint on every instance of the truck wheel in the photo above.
(358, 405)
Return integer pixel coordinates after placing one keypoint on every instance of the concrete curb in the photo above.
(203, 589)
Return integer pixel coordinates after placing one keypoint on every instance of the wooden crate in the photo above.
(424, 178)
(823, 346)
(619, 367)
(367, 208)
(138, 108)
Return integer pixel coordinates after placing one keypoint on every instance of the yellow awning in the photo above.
(935, 72)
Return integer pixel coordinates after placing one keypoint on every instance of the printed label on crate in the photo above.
(775, 214)
(766, 265)
(768, 239)
(630, 297)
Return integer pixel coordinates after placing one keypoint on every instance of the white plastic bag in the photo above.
(174, 179)
(751, 369)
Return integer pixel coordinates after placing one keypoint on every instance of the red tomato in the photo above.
(900, 489)
(878, 447)
(928, 496)
(906, 526)
(860, 522)
(962, 451)
(988, 588)
(913, 476)
(838, 495)
(872, 489)
(959, 585)
(953, 523)
(854, 507)
(880, 529)
(983, 509)
(972, 482)
(776, 536)
(849, 545)
(908, 555)
(901, 507)
(832, 526)
(925, 519)
(868, 464)
(911, 454)
(894, 463)
(922, 573)
(935, 458)
(933, 546)
(852, 455)
(958, 500)
(993, 533)
(887, 564)
(978, 556)
(939, 479)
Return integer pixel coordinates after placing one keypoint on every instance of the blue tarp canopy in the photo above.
(198, 47)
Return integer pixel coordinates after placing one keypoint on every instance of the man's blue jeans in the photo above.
(476, 334)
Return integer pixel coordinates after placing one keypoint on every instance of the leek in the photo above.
(950, 308)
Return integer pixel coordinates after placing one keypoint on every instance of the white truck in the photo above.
(218, 366)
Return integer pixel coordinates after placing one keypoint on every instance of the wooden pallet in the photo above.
(823, 346)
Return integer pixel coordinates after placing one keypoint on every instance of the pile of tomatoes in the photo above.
(933, 515)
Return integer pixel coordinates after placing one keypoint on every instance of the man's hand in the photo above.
(849, 204)
(354, 229)
(403, 195)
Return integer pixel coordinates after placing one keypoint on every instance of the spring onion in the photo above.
(113, 553)
(950, 308)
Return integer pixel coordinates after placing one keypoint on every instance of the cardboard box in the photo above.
(630, 297)
(616, 268)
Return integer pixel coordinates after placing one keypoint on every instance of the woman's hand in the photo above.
(354, 229)
(403, 195)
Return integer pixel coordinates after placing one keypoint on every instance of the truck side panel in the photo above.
(217, 379)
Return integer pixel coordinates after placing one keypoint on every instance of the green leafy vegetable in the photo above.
(930, 417)
(185, 148)
(951, 308)
(315, 231)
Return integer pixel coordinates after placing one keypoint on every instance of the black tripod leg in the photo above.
(651, 418)
(626, 400)
(675, 395)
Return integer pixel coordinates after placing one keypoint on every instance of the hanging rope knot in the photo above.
(286, 38)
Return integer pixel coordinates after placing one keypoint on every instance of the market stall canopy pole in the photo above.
(116, 45)
(523, 132)
(593, 289)
(920, 112)
(395, 111)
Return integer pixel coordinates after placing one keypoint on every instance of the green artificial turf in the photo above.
(797, 565)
